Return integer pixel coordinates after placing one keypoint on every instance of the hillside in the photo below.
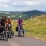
(35, 27)
(34, 12)
(25, 14)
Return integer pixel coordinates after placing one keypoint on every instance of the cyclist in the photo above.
(9, 23)
(2, 22)
(20, 22)
(1, 29)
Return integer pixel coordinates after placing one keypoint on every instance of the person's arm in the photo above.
(23, 22)
(5, 22)
(0, 21)
(12, 22)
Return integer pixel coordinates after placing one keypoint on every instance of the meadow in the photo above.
(35, 27)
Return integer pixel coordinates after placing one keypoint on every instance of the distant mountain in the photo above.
(34, 12)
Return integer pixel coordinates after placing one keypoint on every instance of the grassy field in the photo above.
(35, 27)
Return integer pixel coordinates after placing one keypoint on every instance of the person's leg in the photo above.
(18, 30)
(21, 27)
(22, 30)
(11, 27)
(0, 32)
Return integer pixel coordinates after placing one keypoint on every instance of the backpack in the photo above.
(17, 29)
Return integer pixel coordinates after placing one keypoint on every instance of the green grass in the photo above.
(35, 27)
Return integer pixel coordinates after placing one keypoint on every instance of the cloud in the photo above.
(5, 1)
(22, 4)
(29, 2)
(4, 5)
(32, 2)
(14, 3)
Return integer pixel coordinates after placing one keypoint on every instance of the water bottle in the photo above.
(20, 31)
(24, 31)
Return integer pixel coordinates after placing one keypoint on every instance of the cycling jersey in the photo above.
(2, 21)
(9, 21)
(20, 21)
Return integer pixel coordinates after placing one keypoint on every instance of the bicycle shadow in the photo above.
(1, 39)
(16, 35)
(19, 36)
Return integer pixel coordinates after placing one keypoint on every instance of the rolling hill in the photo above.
(34, 12)
(24, 14)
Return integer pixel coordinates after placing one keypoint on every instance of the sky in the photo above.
(22, 5)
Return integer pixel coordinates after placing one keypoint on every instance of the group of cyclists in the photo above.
(4, 22)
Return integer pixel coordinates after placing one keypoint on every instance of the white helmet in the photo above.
(20, 17)
(8, 16)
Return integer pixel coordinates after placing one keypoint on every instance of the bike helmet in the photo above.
(8, 16)
(2, 15)
(20, 17)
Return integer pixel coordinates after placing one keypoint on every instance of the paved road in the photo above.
(22, 41)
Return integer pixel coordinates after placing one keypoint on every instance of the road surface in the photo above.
(22, 41)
